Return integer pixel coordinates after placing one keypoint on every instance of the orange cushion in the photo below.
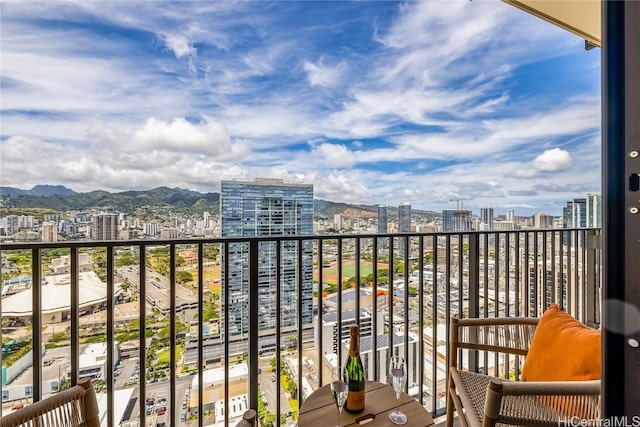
(562, 349)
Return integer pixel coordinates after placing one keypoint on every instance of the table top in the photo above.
(319, 410)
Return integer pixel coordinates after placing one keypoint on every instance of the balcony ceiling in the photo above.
(581, 17)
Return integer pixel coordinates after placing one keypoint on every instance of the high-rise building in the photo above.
(594, 210)
(447, 219)
(383, 219)
(104, 226)
(486, 218)
(511, 216)
(574, 214)
(542, 221)
(268, 207)
(456, 220)
(49, 232)
(404, 217)
(338, 222)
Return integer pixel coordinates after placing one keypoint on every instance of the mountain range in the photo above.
(60, 198)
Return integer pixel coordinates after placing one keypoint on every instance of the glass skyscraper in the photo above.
(594, 210)
(486, 218)
(574, 214)
(404, 217)
(268, 207)
(383, 218)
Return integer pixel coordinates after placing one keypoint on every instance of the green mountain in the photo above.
(126, 201)
(62, 199)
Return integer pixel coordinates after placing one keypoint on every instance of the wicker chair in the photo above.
(74, 407)
(483, 400)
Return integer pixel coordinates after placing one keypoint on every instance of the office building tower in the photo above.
(447, 219)
(404, 217)
(486, 218)
(49, 232)
(574, 214)
(268, 207)
(594, 210)
(383, 218)
(104, 226)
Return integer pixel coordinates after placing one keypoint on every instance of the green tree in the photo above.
(269, 419)
(211, 252)
(209, 311)
(398, 267)
(99, 259)
(183, 277)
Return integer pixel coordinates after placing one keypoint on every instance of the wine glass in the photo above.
(398, 378)
(339, 389)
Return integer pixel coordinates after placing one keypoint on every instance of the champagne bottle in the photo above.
(355, 370)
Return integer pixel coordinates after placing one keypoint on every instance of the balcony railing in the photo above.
(218, 325)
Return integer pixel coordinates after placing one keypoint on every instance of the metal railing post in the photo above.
(253, 324)
(36, 323)
(591, 288)
(474, 290)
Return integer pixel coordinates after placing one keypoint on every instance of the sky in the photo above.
(372, 102)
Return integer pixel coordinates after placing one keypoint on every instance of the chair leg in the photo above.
(450, 406)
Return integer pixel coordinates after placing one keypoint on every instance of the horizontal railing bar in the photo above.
(195, 241)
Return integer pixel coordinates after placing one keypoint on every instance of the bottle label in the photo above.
(355, 401)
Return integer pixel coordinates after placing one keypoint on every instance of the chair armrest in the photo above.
(549, 388)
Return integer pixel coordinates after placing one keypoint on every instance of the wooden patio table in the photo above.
(319, 410)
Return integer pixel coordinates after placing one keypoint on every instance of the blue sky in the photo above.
(373, 102)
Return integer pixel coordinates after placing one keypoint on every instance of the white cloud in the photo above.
(180, 137)
(552, 160)
(338, 186)
(320, 74)
(179, 44)
(334, 155)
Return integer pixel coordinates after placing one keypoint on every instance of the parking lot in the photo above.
(267, 382)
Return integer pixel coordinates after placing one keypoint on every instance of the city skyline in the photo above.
(383, 208)
(374, 103)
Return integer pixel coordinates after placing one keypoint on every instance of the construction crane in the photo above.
(458, 204)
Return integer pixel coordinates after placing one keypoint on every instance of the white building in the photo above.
(93, 360)
(213, 392)
(330, 336)
(63, 264)
(56, 298)
(383, 355)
